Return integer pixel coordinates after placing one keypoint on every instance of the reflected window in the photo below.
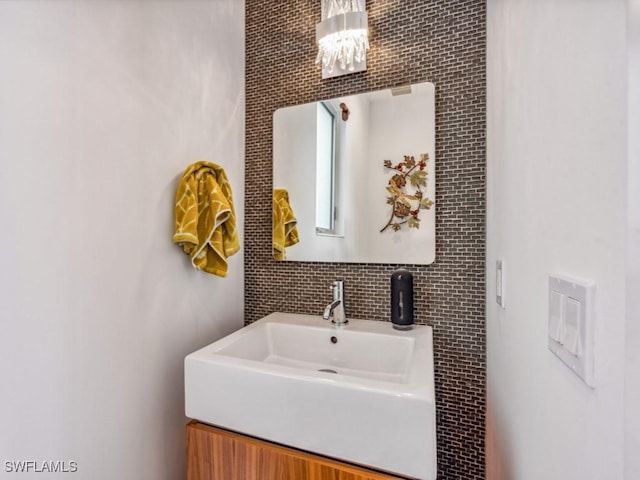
(325, 169)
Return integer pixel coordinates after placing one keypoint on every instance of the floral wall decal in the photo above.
(406, 206)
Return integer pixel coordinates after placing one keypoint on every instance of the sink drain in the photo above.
(328, 370)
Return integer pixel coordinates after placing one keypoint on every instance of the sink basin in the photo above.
(362, 392)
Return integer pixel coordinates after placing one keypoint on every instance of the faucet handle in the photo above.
(337, 287)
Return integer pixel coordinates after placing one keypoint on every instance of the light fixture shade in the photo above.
(342, 38)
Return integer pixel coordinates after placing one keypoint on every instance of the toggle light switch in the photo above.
(500, 283)
(571, 334)
(556, 313)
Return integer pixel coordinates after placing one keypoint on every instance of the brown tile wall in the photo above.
(411, 41)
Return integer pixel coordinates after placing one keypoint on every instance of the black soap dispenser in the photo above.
(402, 300)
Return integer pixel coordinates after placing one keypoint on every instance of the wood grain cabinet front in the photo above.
(217, 454)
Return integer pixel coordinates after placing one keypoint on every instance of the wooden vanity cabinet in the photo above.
(217, 454)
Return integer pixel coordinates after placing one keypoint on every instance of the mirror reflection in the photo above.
(354, 178)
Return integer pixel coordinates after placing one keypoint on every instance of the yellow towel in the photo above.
(205, 220)
(285, 232)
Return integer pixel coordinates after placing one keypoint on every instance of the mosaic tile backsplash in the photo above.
(411, 41)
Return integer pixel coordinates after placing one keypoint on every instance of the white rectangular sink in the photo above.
(359, 352)
(275, 379)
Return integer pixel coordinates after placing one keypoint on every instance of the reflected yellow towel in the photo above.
(205, 220)
(285, 232)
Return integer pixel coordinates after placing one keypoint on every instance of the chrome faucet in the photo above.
(335, 310)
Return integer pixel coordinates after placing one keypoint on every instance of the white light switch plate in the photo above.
(571, 317)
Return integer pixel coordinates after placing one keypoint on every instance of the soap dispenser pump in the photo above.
(402, 300)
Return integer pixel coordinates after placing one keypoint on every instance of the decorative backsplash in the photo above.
(437, 41)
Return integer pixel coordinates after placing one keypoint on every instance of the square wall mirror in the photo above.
(354, 178)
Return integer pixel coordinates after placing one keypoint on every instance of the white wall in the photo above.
(632, 372)
(102, 105)
(556, 203)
